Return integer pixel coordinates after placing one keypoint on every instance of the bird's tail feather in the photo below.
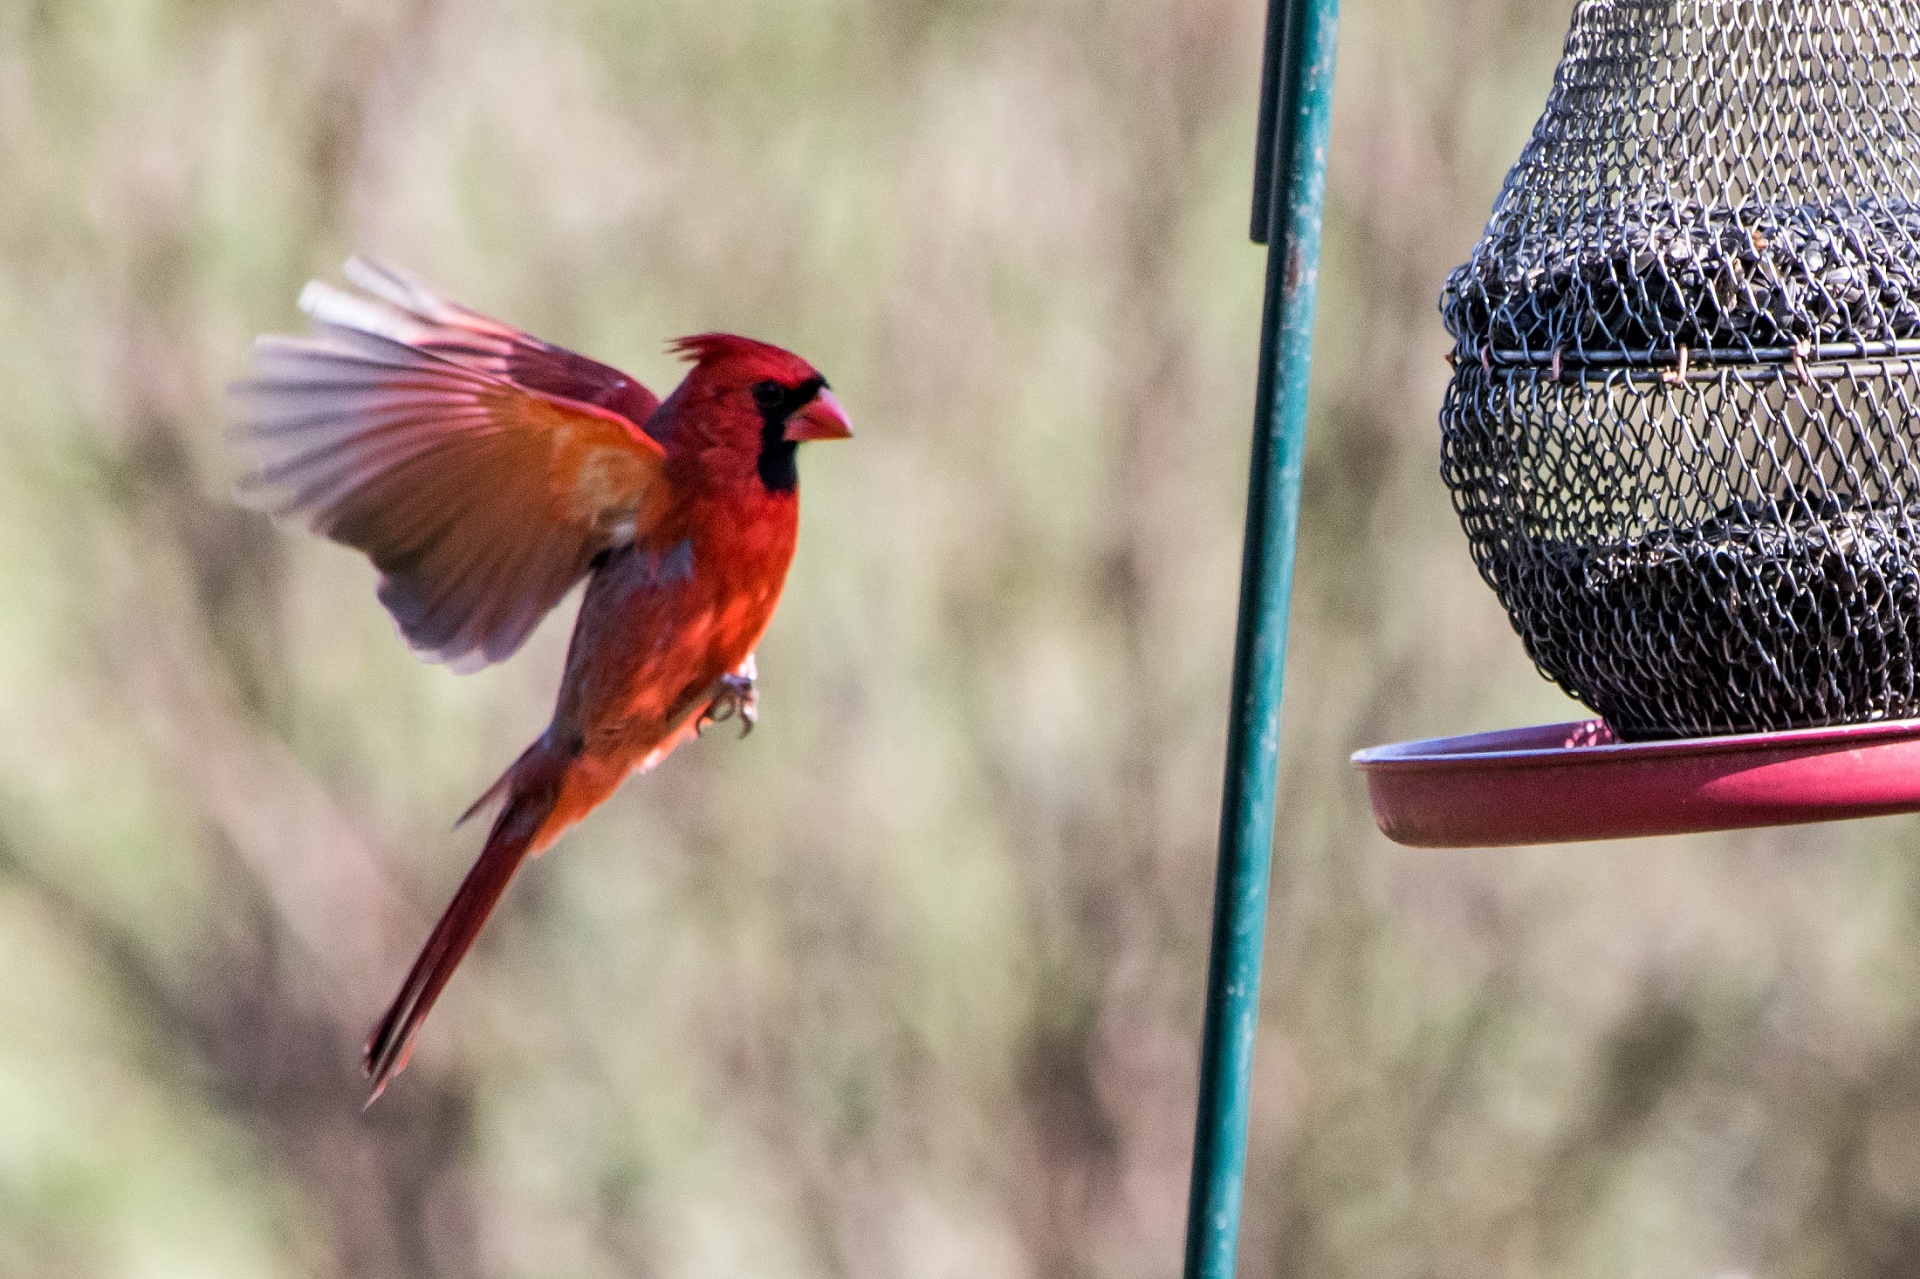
(546, 790)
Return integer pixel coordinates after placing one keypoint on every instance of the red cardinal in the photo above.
(484, 472)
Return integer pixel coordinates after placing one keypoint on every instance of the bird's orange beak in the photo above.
(821, 418)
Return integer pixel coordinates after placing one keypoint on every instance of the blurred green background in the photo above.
(909, 982)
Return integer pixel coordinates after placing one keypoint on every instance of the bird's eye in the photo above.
(768, 394)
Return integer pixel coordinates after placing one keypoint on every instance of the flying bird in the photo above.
(484, 472)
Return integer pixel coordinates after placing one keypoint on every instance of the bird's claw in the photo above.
(737, 695)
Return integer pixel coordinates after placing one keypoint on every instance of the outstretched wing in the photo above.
(407, 432)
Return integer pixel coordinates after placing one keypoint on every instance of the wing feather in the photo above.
(399, 427)
(404, 307)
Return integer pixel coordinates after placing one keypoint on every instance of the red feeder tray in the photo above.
(1557, 783)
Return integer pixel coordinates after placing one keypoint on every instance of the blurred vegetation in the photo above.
(908, 983)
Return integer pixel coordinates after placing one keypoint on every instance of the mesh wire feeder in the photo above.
(1684, 416)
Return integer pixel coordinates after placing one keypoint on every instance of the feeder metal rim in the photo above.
(1816, 368)
(1576, 358)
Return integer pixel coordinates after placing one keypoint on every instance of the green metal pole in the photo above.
(1297, 93)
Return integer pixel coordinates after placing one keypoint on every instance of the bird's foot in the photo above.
(737, 695)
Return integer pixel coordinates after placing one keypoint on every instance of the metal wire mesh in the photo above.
(1681, 430)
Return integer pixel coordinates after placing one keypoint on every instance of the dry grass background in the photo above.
(908, 983)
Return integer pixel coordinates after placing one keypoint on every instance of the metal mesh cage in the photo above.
(1684, 416)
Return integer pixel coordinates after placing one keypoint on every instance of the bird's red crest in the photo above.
(711, 350)
(703, 348)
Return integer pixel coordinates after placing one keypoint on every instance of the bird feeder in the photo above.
(1683, 431)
